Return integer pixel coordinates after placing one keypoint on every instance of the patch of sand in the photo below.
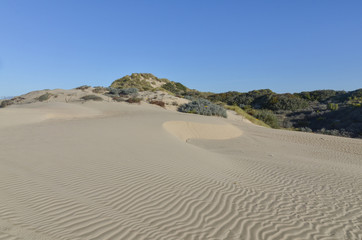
(188, 130)
(114, 172)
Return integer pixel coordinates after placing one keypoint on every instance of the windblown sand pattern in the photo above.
(124, 176)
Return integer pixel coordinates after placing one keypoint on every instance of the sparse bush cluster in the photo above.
(124, 91)
(128, 91)
(158, 103)
(99, 90)
(6, 103)
(334, 132)
(91, 97)
(83, 87)
(44, 97)
(135, 80)
(203, 107)
(134, 100)
(175, 88)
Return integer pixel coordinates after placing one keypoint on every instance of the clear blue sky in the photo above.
(287, 46)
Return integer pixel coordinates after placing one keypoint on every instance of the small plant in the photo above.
(159, 103)
(203, 107)
(91, 97)
(83, 87)
(44, 97)
(332, 106)
(134, 100)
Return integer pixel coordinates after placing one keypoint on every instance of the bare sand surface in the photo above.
(100, 171)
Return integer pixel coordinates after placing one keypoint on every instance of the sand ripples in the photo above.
(170, 190)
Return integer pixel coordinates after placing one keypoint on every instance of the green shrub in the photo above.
(44, 97)
(128, 91)
(175, 88)
(332, 106)
(91, 97)
(268, 117)
(285, 102)
(203, 107)
(252, 119)
(135, 80)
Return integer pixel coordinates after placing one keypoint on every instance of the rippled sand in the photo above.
(119, 171)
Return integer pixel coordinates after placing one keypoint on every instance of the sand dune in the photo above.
(193, 130)
(114, 171)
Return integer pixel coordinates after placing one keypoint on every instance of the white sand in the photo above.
(114, 171)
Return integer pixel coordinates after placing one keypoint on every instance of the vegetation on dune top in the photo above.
(337, 112)
(149, 82)
(91, 97)
(320, 111)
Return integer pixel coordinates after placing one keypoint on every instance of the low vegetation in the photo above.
(5, 103)
(44, 97)
(322, 111)
(203, 107)
(247, 116)
(134, 100)
(158, 103)
(141, 81)
(100, 90)
(91, 97)
(83, 87)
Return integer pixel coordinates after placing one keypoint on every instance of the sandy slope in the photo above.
(114, 171)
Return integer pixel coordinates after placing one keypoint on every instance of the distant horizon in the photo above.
(206, 45)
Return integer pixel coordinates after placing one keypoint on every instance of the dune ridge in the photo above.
(123, 176)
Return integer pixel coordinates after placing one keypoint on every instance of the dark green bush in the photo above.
(203, 107)
(91, 97)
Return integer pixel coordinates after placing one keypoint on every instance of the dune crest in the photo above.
(38, 112)
(185, 130)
